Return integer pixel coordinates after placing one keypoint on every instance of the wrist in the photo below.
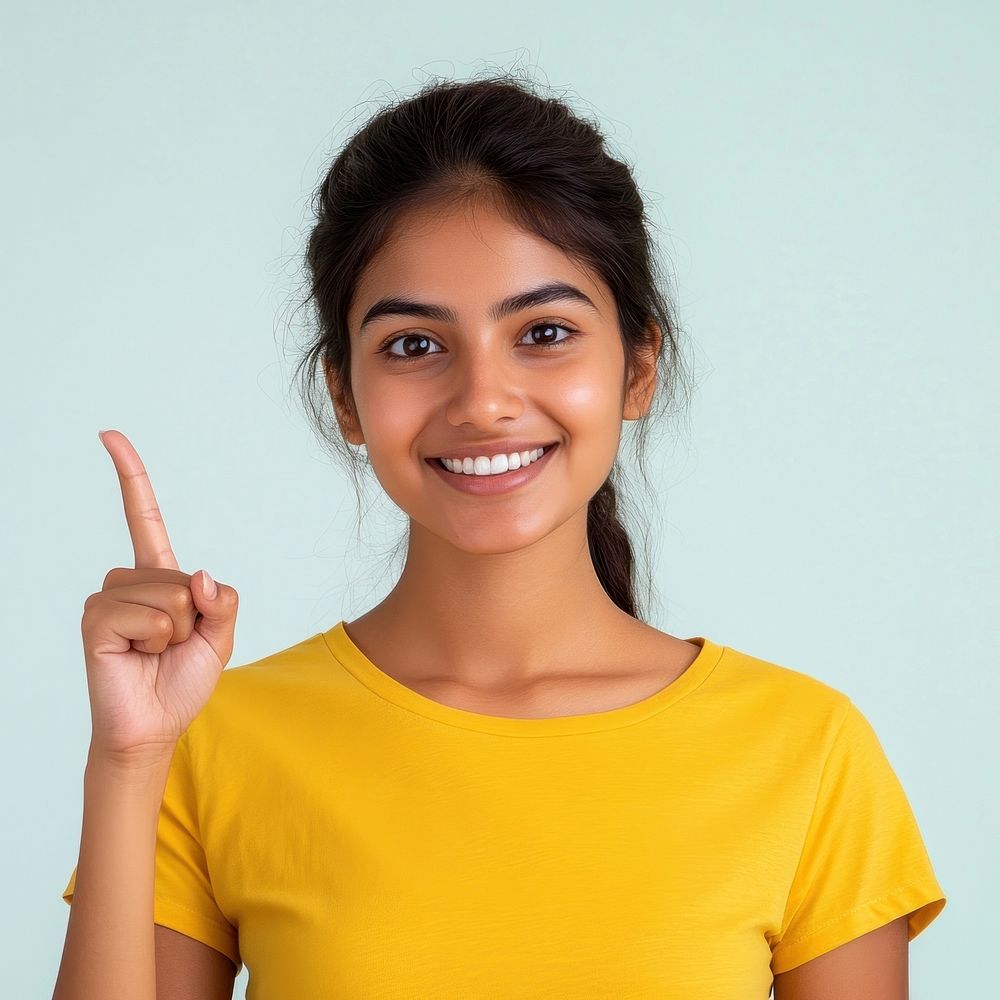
(139, 766)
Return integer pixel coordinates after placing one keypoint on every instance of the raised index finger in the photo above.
(149, 534)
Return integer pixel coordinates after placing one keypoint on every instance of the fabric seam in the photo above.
(183, 743)
(812, 814)
(227, 928)
(531, 736)
(829, 923)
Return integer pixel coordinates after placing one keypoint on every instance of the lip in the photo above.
(491, 485)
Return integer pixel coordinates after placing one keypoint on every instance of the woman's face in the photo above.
(429, 386)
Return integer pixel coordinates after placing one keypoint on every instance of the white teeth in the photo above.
(483, 466)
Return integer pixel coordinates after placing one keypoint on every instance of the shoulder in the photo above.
(783, 703)
(782, 677)
(263, 689)
(750, 688)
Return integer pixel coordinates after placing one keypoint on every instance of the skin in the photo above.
(500, 589)
(498, 608)
(873, 966)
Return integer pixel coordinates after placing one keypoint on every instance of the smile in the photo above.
(488, 483)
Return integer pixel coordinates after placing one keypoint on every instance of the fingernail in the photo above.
(210, 588)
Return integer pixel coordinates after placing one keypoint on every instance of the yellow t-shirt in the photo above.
(345, 836)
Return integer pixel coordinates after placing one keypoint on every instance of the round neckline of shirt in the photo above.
(350, 656)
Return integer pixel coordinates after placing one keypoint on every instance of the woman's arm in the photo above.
(109, 950)
(873, 966)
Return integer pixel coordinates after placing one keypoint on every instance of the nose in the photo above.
(485, 389)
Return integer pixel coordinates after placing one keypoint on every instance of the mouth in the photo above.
(495, 483)
(546, 448)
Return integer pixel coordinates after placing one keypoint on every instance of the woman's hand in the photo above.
(155, 639)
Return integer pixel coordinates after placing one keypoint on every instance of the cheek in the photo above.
(588, 402)
(391, 428)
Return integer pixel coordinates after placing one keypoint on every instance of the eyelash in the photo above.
(384, 349)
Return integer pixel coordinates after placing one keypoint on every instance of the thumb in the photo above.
(216, 605)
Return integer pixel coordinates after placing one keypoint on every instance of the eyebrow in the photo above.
(552, 291)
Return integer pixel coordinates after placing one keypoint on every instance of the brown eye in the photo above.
(551, 326)
(415, 344)
(419, 338)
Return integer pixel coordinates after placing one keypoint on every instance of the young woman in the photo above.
(500, 781)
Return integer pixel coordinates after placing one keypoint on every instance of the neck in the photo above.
(491, 620)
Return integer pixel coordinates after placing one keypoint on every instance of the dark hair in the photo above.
(549, 170)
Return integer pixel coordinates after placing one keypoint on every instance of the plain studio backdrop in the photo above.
(824, 180)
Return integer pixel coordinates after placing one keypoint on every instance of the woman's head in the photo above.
(464, 195)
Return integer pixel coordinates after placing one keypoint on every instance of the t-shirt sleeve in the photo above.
(863, 861)
(182, 888)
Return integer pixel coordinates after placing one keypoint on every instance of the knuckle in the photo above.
(183, 600)
(112, 576)
(93, 613)
(152, 511)
(95, 606)
(162, 622)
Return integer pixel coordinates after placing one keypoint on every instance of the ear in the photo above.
(640, 392)
(343, 407)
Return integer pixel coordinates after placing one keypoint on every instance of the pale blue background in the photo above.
(826, 183)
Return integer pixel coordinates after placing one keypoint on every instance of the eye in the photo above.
(551, 326)
(418, 337)
(420, 340)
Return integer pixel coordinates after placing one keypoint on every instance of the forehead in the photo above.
(467, 256)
